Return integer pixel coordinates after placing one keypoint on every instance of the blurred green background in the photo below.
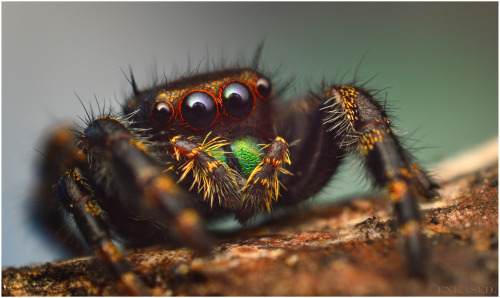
(438, 60)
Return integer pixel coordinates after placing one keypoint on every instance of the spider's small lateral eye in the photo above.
(162, 112)
(263, 86)
(237, 99)
(199, 109)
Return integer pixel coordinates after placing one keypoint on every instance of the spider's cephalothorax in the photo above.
(218, 143)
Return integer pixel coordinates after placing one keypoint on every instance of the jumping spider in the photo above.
(195, 148)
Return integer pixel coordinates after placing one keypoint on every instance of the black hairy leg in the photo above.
(78, 201)
(121, 169)
(122, 165)
(363, 127)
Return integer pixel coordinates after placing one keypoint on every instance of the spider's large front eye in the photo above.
(263, 86)
(162, 112)
(199, 109)
(237, 99)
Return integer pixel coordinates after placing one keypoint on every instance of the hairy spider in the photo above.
(195, 148)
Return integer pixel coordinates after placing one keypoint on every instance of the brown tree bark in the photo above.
(348, 248)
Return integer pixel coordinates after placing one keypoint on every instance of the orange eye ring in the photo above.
(161, 112)
(263, 87)
(238, 100)
(198, 109)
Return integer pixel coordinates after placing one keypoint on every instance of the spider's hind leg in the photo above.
(364, 128)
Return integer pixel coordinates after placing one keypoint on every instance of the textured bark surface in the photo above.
(349, 248)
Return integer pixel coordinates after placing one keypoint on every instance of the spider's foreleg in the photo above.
(123, 163)
(364, 127)
(77, 199)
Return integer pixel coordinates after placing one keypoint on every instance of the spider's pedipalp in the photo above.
(261, 190)
(211, 174)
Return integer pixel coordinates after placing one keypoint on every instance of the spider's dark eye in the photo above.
(237, 99)
(162, 112)
(199, 109)
(263, 87)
